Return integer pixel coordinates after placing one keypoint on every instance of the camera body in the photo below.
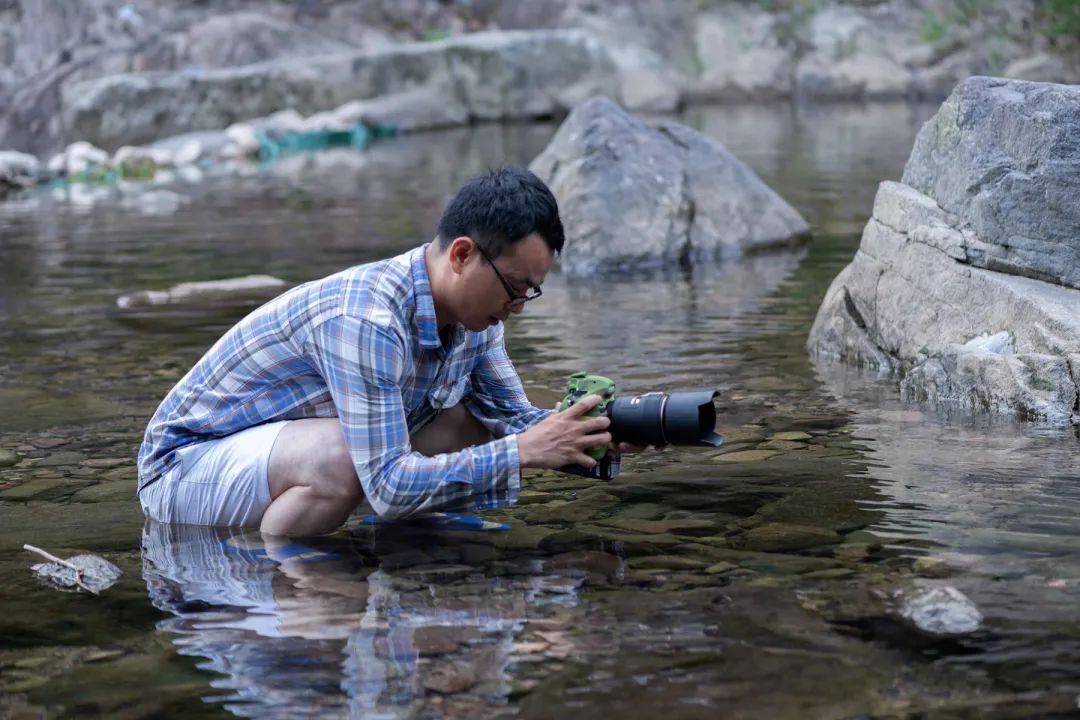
(685, 418)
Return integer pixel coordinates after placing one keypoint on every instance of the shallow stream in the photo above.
(760, 580)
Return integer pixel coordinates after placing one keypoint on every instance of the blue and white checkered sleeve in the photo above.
(498, 399)
(363, 365)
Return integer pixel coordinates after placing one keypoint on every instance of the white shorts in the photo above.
(218, 482)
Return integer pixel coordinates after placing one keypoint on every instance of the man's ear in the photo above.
(461, 249)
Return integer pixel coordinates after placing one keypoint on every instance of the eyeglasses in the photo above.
(532, 293)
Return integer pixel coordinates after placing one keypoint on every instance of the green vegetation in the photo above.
(1061, 18)
(435, 34)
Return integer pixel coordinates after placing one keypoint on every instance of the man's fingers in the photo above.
(593, 440)
(595, 424)
(584, 460)
(584, 405)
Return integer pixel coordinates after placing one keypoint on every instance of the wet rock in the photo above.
(635, 195)
(830, 574)
(105, 492)
(779, 537)
(602, 563)
(794, 436)
(57, 459)
(106, 463)
(96, 527)
(720, 568)
(941, 611)
(642, 511)
(9, 458)
(748, 456)
(666, 562)
(46, 443)
(932, 567)
(37, 489)
(583, 508)
(208, 292)
(744, 434)
(434, 640)
(453, 678)
(833, 505)
(679, 526)
(521, 537)
(968, 270)
(782, 445)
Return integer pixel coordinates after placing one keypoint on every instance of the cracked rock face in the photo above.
(966, 280)
(634, 195)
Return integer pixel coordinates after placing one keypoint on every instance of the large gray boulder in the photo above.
(1004, 158)
(965, 282)
(634, 195)
(483, 76)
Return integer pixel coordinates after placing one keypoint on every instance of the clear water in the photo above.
(693, 585)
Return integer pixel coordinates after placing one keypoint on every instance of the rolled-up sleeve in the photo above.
(498, 399)
(363, 365)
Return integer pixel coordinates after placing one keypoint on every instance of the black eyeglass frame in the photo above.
(514, 298)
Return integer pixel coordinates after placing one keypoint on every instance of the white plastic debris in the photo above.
(88, 572)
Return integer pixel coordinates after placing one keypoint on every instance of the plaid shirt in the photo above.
(361, 345)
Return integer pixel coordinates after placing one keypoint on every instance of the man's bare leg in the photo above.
(313, 484)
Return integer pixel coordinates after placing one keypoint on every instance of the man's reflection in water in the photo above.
(303, 630)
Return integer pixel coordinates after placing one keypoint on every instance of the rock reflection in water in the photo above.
(321, 630)
(993, 505)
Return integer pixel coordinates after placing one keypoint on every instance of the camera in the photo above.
(686, 418)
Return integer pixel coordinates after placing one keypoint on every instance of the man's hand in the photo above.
(562, 437)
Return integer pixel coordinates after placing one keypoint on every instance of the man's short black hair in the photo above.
(501, 208)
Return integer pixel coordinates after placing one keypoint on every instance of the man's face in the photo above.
(483, 300)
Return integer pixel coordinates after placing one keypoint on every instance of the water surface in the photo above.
(758, 580)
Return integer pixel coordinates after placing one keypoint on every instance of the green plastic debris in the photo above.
(357, 137)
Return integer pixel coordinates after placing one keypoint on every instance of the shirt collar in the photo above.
(424, 318)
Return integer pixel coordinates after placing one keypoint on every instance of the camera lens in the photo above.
(657, 418)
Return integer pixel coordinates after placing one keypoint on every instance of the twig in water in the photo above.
(65, 563)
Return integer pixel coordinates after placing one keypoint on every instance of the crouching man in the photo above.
(387, 382)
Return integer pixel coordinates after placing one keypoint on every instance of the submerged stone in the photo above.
(941, 611)
(784, 536)
(748, 456)
(37, 489)
(9, 458)
(795, 435)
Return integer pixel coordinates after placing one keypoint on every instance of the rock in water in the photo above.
(252, 287)
(941, 611)
(1003, 158)
(633, 195)
(967, 279)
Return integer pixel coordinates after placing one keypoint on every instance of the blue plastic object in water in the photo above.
(443, 521)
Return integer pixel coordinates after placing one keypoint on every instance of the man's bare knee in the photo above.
(333, 475)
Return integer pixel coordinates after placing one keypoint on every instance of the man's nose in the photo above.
(517, 307)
